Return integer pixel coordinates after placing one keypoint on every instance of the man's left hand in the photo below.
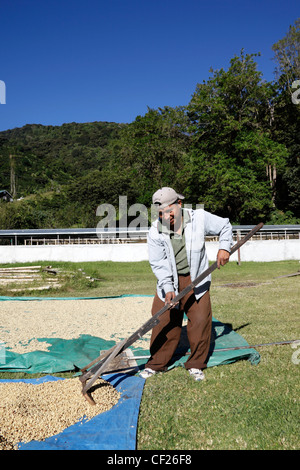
(222, 258)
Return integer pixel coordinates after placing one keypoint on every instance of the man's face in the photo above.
(171, 216)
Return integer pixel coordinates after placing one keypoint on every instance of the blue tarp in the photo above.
(112, 430)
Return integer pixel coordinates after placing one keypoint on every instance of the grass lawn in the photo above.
(114, 279)
(238, 406)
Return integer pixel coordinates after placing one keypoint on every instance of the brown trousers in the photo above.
(166, 335)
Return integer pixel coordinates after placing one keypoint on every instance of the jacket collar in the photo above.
(186, 218)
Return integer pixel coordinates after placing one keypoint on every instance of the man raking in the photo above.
(177, 255)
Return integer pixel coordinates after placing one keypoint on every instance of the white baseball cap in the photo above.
(165, 196)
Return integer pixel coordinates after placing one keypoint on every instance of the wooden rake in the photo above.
(92, 371)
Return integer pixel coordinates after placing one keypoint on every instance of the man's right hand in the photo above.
(169, 297)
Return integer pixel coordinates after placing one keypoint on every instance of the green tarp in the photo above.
(6, 298)
(69, 355)
(63, 355)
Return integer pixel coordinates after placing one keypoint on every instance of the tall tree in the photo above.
(150, 150)
(287, 55)
(230, 128)
(286, 119)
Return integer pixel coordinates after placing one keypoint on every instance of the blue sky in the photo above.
(83, 61)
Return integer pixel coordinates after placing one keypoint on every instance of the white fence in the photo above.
(253, 250)
(126, 235)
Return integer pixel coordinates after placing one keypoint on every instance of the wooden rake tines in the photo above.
(92, 371)
(92, 374)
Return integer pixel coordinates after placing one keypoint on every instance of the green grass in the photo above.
(115, 279)
(238, 406)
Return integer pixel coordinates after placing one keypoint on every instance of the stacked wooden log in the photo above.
(28, 278)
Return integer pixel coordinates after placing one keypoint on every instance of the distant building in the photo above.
(5, 196)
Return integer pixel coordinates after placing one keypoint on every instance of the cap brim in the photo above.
(166, 204)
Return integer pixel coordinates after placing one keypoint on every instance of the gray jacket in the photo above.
(199, 223)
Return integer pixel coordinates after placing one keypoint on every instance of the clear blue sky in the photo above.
(107, 60)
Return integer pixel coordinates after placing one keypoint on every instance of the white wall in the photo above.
(256, 250)
(262, 250)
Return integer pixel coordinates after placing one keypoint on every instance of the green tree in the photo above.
(287, 54)
(150, 151)
(232, 154)
(286, 118)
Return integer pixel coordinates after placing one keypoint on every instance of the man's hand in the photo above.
(222, 258)
(169, 297)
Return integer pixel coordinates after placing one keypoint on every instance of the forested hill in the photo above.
(46, 157)
(56, 173)
(235, 147)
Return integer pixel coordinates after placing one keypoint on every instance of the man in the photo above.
(177, 255)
